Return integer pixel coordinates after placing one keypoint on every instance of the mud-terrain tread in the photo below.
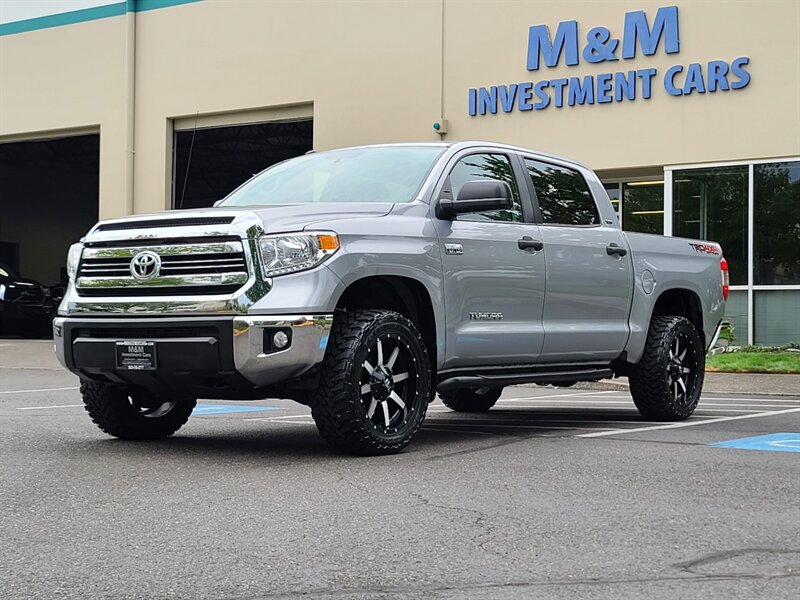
(466, 400)
(110, 410)
(336, 409)
(647, 380)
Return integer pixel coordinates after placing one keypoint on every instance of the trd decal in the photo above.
(705, 248)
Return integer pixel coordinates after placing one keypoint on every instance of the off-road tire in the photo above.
(471, 399)
(652, 382)
(113, 410)
(340, 408)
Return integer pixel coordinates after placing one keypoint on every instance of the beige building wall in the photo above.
(381, 71)
(370, 70)
(487, 45)
(68, 80)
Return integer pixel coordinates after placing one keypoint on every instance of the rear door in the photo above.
(493, 288)
(589, 269)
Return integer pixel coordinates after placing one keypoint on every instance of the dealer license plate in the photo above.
(136, 355)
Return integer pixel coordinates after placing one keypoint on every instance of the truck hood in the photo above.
(278, 219)
(274, 219)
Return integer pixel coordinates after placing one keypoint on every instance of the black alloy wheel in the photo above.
(388, 383)
(375, 383)
(681, 369)
(667, 381)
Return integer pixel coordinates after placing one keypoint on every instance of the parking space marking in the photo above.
(690, 423)
(443, 430)
(504, 426)
(295, 419)
(43, 390)
(570, 395)
(45, 407)
(220, 409)
(586, 407)
(774, 442)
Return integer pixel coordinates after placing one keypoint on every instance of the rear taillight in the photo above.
(726, 280)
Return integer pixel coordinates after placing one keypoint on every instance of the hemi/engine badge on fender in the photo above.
(485, 316)
(454, 249)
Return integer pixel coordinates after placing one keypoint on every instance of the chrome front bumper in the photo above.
(86, 346)
(308, 342)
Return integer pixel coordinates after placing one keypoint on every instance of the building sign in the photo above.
(639, 35)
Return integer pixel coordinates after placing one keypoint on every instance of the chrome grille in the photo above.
(192, 266)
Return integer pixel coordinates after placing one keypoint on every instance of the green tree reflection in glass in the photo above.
(776, 190)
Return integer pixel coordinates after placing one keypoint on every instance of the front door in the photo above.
(493, 288)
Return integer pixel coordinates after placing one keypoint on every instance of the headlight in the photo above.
(288, 253)
(73, 258)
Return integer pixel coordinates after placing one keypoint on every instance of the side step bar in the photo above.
(486, 380)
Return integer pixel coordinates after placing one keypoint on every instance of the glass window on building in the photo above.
(711, 204)
(776, 195)
(777, 317)
(614, 194)
(643, 206)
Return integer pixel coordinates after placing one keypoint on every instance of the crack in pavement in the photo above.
(516, 439)
(483, 521)
(396, 591)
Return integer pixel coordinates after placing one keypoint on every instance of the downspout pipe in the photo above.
(130, 104)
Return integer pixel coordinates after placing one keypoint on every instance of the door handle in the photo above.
(613, 249)
(528, 242)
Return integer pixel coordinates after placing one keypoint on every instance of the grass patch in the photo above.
(754, 362)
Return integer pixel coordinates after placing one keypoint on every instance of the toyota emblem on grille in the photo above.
(145, 265)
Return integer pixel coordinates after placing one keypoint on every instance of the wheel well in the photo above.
(401, 294)
(683, 303)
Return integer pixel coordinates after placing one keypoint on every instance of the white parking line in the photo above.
(731, 398)
(43, 390)
(44, 407)
(689, 423)
(282, 419)
(521, 426)
(424, 428)
(571, 409)
(570, 395)
(613, 404)
(728, 399)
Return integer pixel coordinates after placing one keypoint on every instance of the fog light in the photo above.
(280, 340)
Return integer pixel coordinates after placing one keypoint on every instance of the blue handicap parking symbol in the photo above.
(776, 442)
(219, 409)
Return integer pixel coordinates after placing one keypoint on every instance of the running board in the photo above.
(485, 380)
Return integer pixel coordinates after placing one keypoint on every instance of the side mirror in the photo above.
(477, 196)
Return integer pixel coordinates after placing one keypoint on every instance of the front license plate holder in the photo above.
(136, 355)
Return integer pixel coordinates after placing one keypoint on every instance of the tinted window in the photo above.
(476, 167)
(563, 195)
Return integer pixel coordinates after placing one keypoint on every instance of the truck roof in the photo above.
(467, 144)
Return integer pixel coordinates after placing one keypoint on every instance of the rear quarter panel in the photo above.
(674, 264)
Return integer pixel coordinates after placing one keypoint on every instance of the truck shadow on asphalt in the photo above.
(442, 434)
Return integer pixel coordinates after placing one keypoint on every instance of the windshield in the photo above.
(377, 174)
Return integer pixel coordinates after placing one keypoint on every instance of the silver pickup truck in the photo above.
(363, 281)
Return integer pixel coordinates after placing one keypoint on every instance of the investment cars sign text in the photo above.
(599, 46)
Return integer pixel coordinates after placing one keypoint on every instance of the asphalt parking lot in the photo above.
(555, 493)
